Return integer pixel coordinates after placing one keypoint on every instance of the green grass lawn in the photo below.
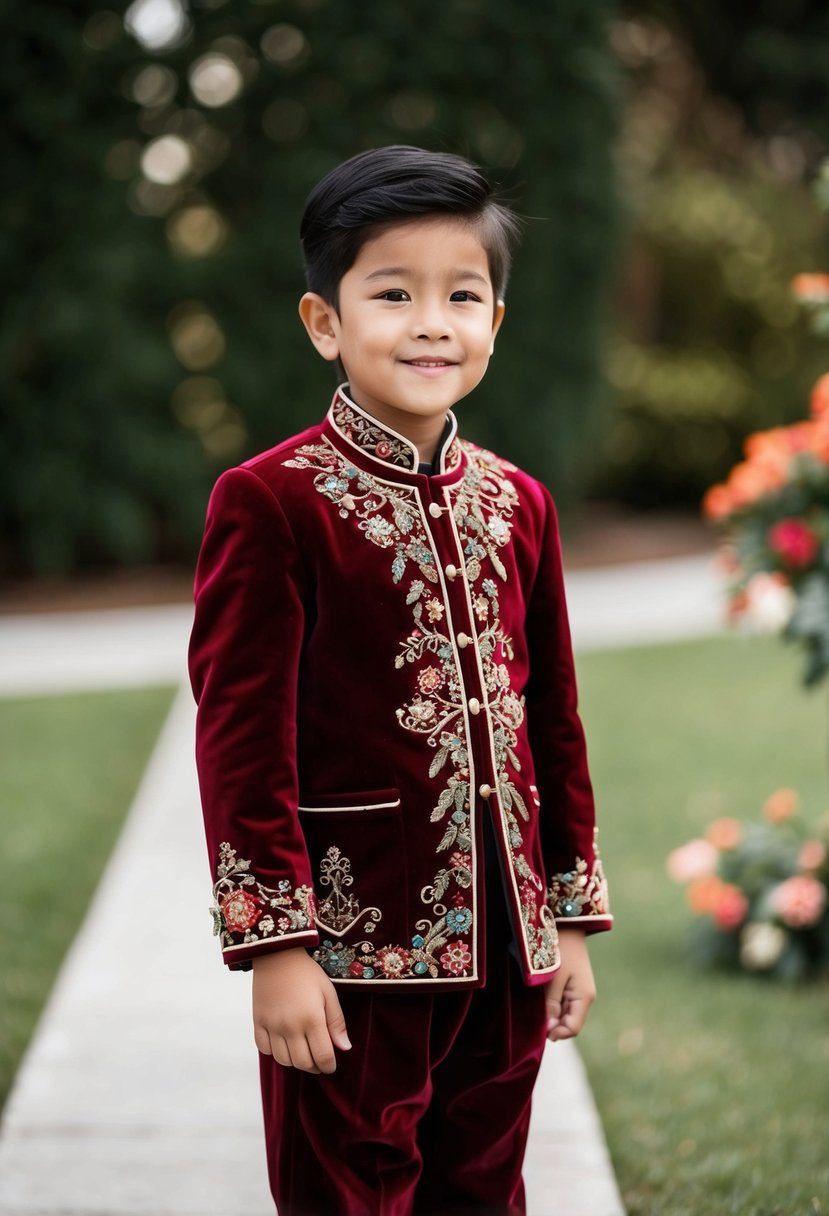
(69, 766)
(713, 1088)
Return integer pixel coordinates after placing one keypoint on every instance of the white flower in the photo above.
(770, 602)
(761, 945)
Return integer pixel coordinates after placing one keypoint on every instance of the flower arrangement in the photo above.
(774, 510)
(760, 891)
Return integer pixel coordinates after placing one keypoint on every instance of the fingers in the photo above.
(570, 1020)
(568, 1004)
(262, 1039)
(335, 1020)
(300, 1054)
(322, 1050)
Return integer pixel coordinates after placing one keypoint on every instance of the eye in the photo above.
(394, 296)
(462, 297)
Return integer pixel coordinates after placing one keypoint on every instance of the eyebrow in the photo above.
(392, 272)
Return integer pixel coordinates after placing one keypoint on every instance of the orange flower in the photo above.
(771, 450)
(716, 503)
(811, 288)
(702, 894)
(737, 606)
(724, 833)
(781, 805)
(819, 399)
(730, 907)
(749, 481)
(812, 855)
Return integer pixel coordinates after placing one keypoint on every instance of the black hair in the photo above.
(392, 185)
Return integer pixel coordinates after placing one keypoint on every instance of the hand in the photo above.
(296, 1012)
(572, 990)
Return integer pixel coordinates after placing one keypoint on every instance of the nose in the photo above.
(430, 322)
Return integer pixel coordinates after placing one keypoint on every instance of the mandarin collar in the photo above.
(381, 442)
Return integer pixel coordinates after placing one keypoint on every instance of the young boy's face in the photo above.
(416, 322)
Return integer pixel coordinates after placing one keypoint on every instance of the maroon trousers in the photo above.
(427, 1115)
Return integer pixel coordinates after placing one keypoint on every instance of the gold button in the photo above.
(474, 705)
(484, 790)
(451, 571)
(463, 640)
(434, 509)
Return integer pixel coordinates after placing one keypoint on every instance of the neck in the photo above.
(423, 433)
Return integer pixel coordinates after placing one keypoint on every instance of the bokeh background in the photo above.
(157, 162)
(156, 159)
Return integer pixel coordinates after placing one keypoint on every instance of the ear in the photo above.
(321, 321)
(497, 318)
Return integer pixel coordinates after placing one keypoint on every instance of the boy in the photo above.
(393, 772)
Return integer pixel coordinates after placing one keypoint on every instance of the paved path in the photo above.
(616, 606)
(138, 1095)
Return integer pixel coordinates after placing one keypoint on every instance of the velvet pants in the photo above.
(427, 1115)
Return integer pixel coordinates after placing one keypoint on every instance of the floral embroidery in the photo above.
(354, 491)
(241, 903)
(579, 893)
(362, 961)
(369, 437)
(459, 920)
(486, 498)
(456, 958)
(482, 505)
(374, 439)
(339, 911)
(393, 961)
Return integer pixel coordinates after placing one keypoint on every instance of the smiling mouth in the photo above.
(430, 362)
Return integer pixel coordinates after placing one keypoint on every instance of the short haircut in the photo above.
(397, 184)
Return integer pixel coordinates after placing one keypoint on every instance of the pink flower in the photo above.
(456, 958)
(799, 901)
(730, 907)
(697, 859)
(383, 448)
(780, 806)
(812, 855)
(794, 542)
(240, 910)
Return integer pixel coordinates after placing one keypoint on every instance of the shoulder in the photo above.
(271, 467)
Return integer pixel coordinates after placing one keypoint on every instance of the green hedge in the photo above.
(137, 371)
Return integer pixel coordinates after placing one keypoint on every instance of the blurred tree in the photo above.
(159, 168)
(766, 56)
(91, 468)
(708, 343)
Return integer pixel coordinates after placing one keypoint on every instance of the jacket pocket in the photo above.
(373, 803)
(355, 843)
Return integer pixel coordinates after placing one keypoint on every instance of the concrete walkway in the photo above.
(139, 1095)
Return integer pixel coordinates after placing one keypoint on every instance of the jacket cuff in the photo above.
(579, 896)
(251, 918)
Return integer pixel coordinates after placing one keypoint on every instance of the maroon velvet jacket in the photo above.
(381, 658)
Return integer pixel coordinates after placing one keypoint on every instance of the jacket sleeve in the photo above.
(243, 662)
(577, 891)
